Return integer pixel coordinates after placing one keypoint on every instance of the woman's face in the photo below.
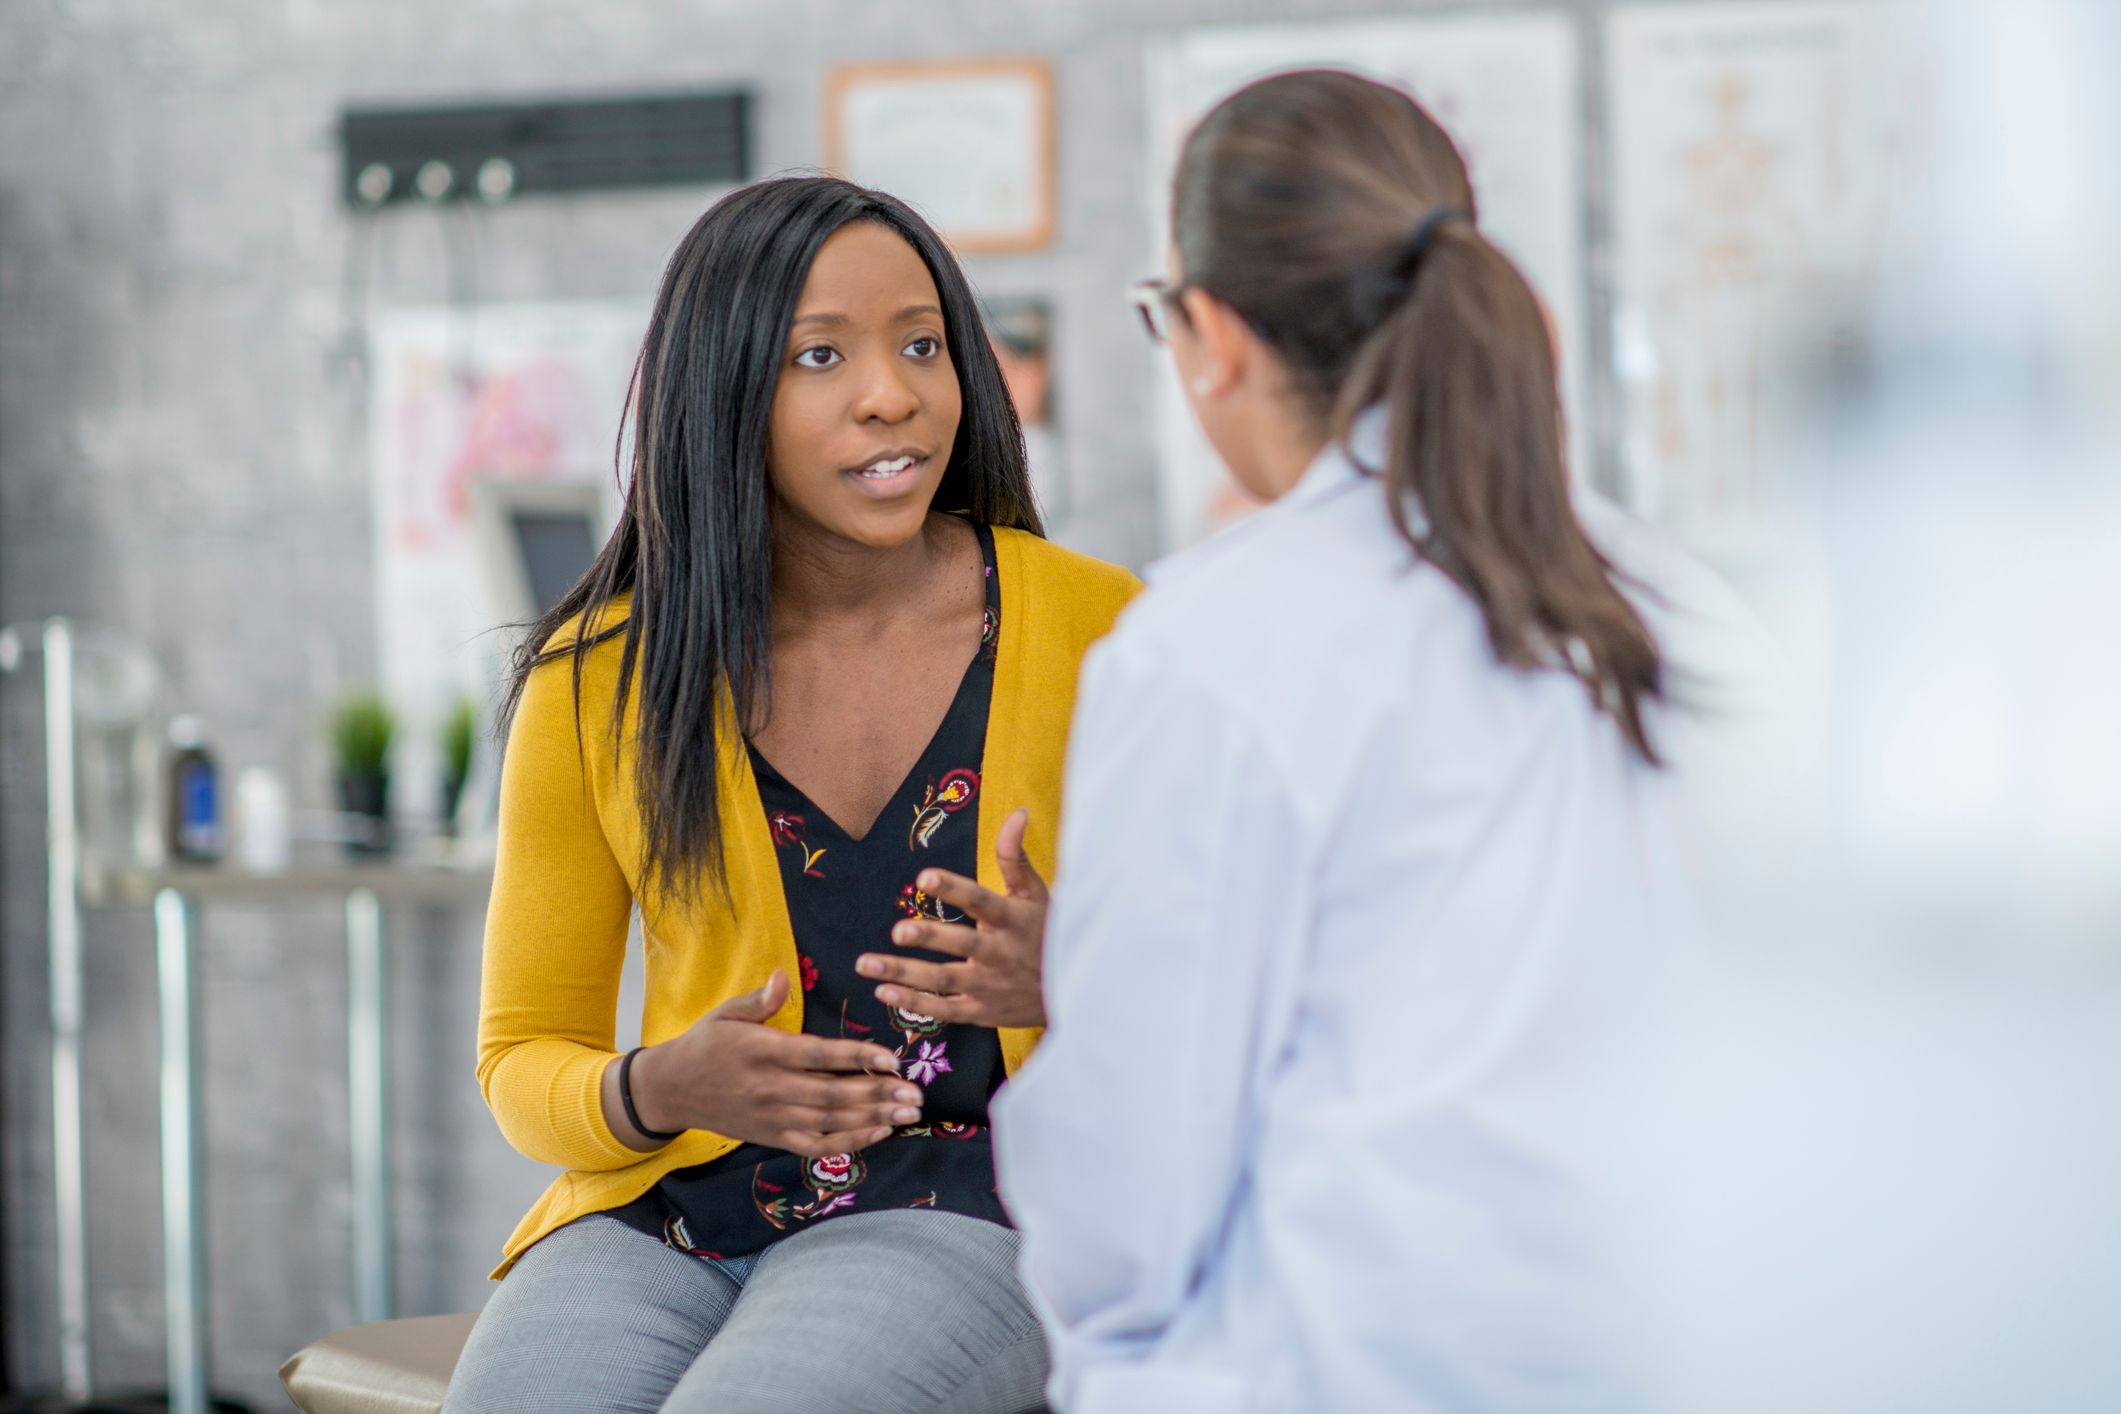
(868, 402)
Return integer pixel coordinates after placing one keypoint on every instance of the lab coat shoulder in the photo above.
(1311, 613)
(1215, 609)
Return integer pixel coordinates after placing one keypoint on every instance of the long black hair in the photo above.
(694, 544)
(1334, 214)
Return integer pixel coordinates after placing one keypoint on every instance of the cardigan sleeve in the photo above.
(556, 933)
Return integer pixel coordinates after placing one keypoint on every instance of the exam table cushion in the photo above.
(387, 1367)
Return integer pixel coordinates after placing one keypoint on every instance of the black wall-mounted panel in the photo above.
(560, 145)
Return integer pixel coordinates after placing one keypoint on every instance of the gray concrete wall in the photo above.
(182, 455)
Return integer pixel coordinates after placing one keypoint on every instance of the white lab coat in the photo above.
(1350, 926)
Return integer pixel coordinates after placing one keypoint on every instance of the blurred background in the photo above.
(316, 317)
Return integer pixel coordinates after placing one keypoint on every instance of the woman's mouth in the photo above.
(889, 475)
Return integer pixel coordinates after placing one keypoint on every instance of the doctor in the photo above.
(1374, 842)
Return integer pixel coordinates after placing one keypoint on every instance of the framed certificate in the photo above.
(967, 142)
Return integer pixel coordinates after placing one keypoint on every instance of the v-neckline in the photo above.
(990, 601)
(760, 761)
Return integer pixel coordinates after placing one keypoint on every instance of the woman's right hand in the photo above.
(733, 1074)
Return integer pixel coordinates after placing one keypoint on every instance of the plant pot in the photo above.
(366, 801)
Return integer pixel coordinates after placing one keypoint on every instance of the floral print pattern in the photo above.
(912, 1025)
(677, 1235)
(943, 1129)
(944, 798)
(928, 1063)
(916, 902)
(788, 829)
(831, 1180)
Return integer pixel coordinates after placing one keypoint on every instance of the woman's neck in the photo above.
(821, 580)
(1283, 437)
(1288, 453)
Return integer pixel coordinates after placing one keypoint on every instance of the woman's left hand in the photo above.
(995, 982)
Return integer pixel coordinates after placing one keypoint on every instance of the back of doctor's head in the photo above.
(1334, 215)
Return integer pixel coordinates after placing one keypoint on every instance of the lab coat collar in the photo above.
(1332, 472)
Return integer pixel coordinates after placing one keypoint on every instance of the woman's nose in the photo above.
(885, 396)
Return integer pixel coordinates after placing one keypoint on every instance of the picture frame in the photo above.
(969, 143)
(1020, 329)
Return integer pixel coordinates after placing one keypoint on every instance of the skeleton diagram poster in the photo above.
(1752, 171)
(1507, 88)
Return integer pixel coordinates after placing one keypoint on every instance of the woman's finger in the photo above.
(972, 896)
(833, 1092)
(1018, 871)
(852, 1117)
(755, 1006)
(820, 1053)
(954, 939)
(945, 977)
(863, 1117)
(805, 1119)
(939, 1006)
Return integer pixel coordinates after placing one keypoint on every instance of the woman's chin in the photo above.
(880, 525)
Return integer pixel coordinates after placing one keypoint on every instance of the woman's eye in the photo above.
(925, 347)
(819, 357)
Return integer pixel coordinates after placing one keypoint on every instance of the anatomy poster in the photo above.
(1507, 88)
(1753, 170)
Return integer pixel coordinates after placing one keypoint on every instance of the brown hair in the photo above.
(1305, 203)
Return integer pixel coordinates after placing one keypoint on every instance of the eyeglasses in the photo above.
(1156, 301)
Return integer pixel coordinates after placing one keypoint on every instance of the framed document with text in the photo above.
(967, 142)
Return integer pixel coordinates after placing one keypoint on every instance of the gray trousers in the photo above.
(871, 1313)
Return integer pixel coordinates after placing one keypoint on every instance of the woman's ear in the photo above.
(1223, 344)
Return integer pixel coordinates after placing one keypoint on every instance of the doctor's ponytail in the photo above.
(1335, 217)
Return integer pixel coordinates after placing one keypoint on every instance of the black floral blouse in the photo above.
(844, 895)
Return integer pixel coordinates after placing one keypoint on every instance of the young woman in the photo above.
(825, 652)
(1396, 856)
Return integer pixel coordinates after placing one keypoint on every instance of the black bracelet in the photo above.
(633, 1116)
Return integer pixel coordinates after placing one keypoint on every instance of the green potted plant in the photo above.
(460, 733)
(361, 729)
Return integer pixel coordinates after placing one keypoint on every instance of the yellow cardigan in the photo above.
(564, 885)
